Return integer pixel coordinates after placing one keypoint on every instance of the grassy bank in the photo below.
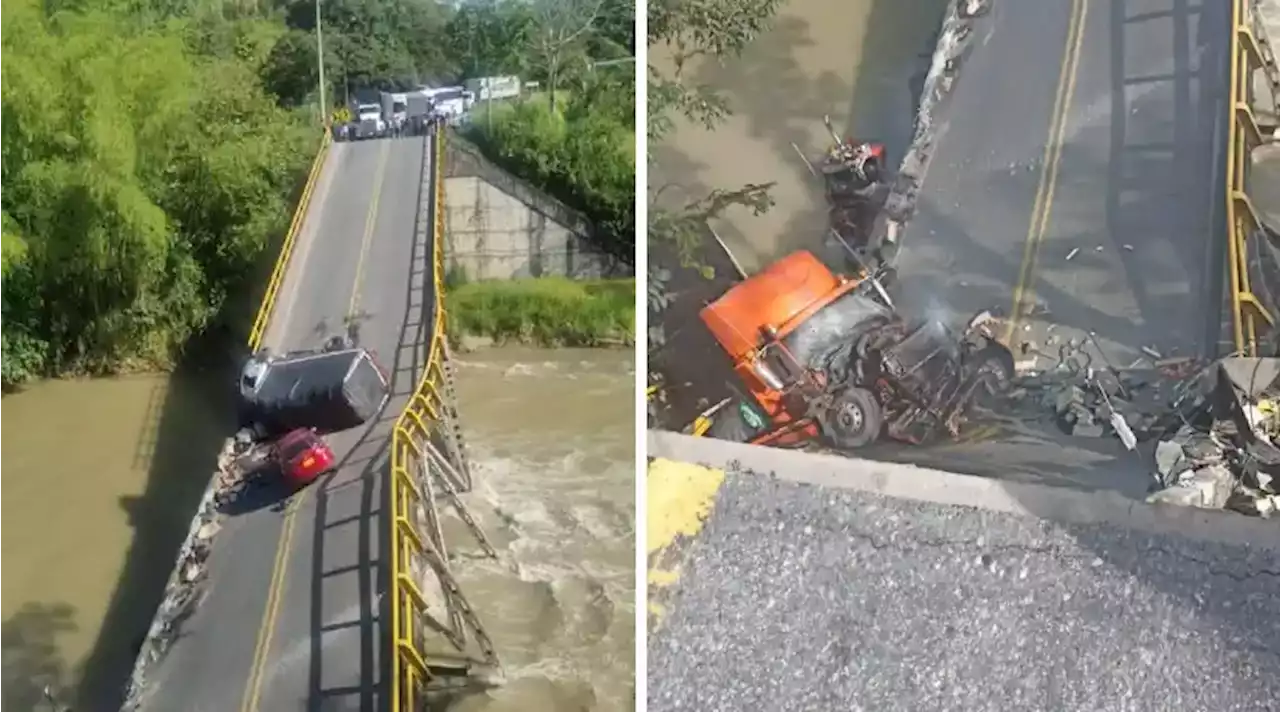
(549, 311)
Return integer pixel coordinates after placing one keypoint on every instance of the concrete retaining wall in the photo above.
(498, 227)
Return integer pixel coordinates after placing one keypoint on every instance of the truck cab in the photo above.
(395, 109)
(369, 122)
(758, 322)
(824, 356)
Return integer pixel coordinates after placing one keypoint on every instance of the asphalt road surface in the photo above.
(289, 618)
(1075, 182)
(797, 597)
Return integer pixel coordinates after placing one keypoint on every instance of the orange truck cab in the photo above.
(821, 356)
(752, 321)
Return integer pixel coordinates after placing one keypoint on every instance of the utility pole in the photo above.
(324, 106)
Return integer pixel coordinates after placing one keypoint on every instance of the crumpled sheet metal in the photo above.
(1215, 427)
(1215, 430)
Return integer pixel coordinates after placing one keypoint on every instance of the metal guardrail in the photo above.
(428, 462)
(260, 322)
(1249, 316)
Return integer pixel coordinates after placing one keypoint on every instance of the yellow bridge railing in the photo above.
(418, 468)
(1250, 318)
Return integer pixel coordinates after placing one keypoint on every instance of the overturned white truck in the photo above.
(329, 391)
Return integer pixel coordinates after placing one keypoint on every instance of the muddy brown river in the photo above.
(96, 501)
(100, 482)
(552, 440)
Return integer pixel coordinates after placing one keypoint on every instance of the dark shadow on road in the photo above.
(1138, 212)
(374, 515)
(266, 489)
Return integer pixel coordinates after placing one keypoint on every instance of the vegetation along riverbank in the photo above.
(548, 311)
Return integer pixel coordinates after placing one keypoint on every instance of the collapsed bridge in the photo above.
(342, 593)
(1082, 168)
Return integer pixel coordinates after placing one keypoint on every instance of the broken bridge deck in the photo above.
(1076, 185)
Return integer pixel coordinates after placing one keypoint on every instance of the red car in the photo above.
(303, 456)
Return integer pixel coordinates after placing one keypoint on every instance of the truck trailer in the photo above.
(327, 391)
(395, 110)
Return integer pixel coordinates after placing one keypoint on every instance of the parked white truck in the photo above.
(449, 103)
(368, 122)
(395, 110)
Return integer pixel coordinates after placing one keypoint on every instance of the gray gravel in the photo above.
(799, 598)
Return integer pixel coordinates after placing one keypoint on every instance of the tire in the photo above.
(728, 424)
(993, 365)
(854, 419)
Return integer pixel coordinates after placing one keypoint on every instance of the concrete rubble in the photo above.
(1212, 429)
(954, 42)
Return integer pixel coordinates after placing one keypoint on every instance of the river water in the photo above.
(551, 436)
(101, 478)
(862, 63)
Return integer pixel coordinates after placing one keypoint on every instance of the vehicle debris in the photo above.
(1213, 427)
(855, 183)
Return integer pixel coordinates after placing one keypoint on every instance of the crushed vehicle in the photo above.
(1215, 425)
(855, 185)
(334, 389)
(301, 456)
(289, 402)
(827, 358)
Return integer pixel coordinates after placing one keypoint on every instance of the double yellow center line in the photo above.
(1024, 290)
(1038, 225)
(275, 588)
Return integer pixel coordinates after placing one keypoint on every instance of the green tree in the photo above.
(373, 44)
(685, 30)
(488, 37)
(560, 30)
(580, 149)
(145, 172)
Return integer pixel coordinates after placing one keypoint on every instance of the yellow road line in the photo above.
(370, 222)
(253, 687)
(680, 498)
(271, 611)
(1043, 204)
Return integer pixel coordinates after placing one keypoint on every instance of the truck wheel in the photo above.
(854, 419)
